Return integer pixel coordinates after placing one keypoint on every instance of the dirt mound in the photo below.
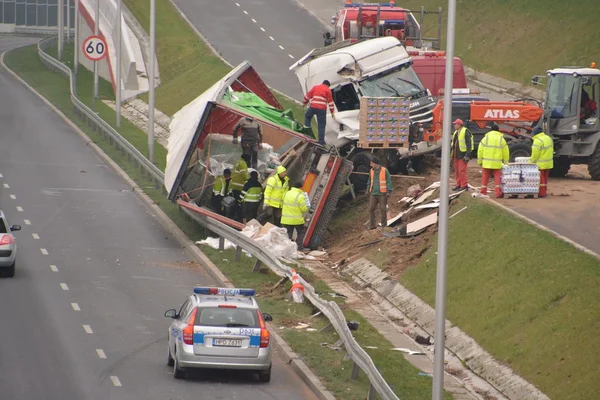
(349, 239)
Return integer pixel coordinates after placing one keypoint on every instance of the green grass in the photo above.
(328, 364)
(517, 39)
(187, 65)
(528, 298)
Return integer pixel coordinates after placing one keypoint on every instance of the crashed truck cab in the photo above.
(200, 147)
(379, 67)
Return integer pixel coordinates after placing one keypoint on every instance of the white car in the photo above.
(8, 247)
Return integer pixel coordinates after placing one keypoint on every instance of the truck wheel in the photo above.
(362, 163)
(594, 164)
(561, 168)
(519, 148)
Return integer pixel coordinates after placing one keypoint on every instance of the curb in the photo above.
(299, 367)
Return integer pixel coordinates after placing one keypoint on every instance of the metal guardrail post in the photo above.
(257, 266)
(355, 371)
(238, 253)
(221, 243)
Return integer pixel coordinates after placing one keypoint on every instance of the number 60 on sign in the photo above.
(94, 48)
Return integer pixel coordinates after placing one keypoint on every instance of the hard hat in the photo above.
(458, 121)
(280, 169)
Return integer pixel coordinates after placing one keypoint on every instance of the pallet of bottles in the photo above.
(384, 122)
(520, 179)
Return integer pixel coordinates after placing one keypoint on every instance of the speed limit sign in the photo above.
(94, 48)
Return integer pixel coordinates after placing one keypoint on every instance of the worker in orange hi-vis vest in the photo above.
(320, 98)
(379, 189)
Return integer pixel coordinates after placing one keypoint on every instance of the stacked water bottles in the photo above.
(520, 177)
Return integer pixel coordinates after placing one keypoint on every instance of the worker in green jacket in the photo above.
(251, 196)
(542, 154)
(221, 189)
(292, 213)
(379, 189)
(492, 154)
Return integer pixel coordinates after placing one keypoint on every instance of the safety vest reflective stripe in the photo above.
(292, 211)
(462, 140)
(491, 159)
(252, 196)
(382, 180)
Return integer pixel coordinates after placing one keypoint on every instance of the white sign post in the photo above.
(95, 49)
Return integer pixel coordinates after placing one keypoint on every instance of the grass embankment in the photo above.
(517, 39)
(327, 363)
(528, 298)
(187, 65)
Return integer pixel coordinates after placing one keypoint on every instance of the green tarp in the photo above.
(254, 105)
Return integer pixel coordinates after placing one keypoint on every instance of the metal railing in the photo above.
(329, 309)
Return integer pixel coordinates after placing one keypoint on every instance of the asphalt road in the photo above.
(232, 31)
(83, 318)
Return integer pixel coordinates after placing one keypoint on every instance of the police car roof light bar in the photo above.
(224, 291)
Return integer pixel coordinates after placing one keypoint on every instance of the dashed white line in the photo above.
(6, 185)
(1, 176)
(19, 209)
(237, 4)
(271, 37)
(245, 12)
(75, 307)
(281, 47)
(101, 354)
(291, 56)
(44, 251)
(27, 222)
(253, 20)
(115, 380)
(88, 329)
(12, 196)
(35, 235)
(262, 29)
(53, 268)
(64, 286)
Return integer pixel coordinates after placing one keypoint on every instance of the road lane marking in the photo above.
(1, 176)
(75, 307)
(64, 286)
(253, 20)
(44, 251)
(262, 29)
(245, 12)
(115, 380)
(53, 268)
(281, 47)
(19, 209)
(271, 37)
(6, 185)
(88, 329)
(27, 222)
(35, 235)
(12, 196)
(100, 353)
(291, 56)
(237, 4)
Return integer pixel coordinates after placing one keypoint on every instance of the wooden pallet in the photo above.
(381, 145)
(520, 196)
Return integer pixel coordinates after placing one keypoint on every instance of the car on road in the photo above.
(220, 328)
(8, 247)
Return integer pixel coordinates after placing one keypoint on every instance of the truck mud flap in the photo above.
(320, 231)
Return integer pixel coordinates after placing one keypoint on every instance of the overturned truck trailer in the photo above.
(200, 147)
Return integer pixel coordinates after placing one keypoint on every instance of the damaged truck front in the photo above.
(200, 148)
(378, 67)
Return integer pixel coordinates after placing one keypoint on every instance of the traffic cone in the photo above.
(297, 289)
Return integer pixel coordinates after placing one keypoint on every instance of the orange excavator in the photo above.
(515, 118)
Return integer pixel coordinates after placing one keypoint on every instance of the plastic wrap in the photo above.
(276, 240)
(520, 178)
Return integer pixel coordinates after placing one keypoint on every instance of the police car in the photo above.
(220, 328)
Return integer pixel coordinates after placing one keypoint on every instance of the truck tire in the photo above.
(362, 163)
(332, 199)
(519, 148)
(594, 164)
(561, 168)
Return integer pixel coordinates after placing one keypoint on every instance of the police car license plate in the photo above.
(227, 342)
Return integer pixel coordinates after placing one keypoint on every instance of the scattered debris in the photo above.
(408, 351)
(425, 374)
(424, 341)
(458, 212)
(370, 347)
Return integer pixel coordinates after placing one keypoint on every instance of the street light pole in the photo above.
(118, 77)
(440, 289)
(151, 78)
(76, 48)
(69, 21)
(97, 33)
(61, 28)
